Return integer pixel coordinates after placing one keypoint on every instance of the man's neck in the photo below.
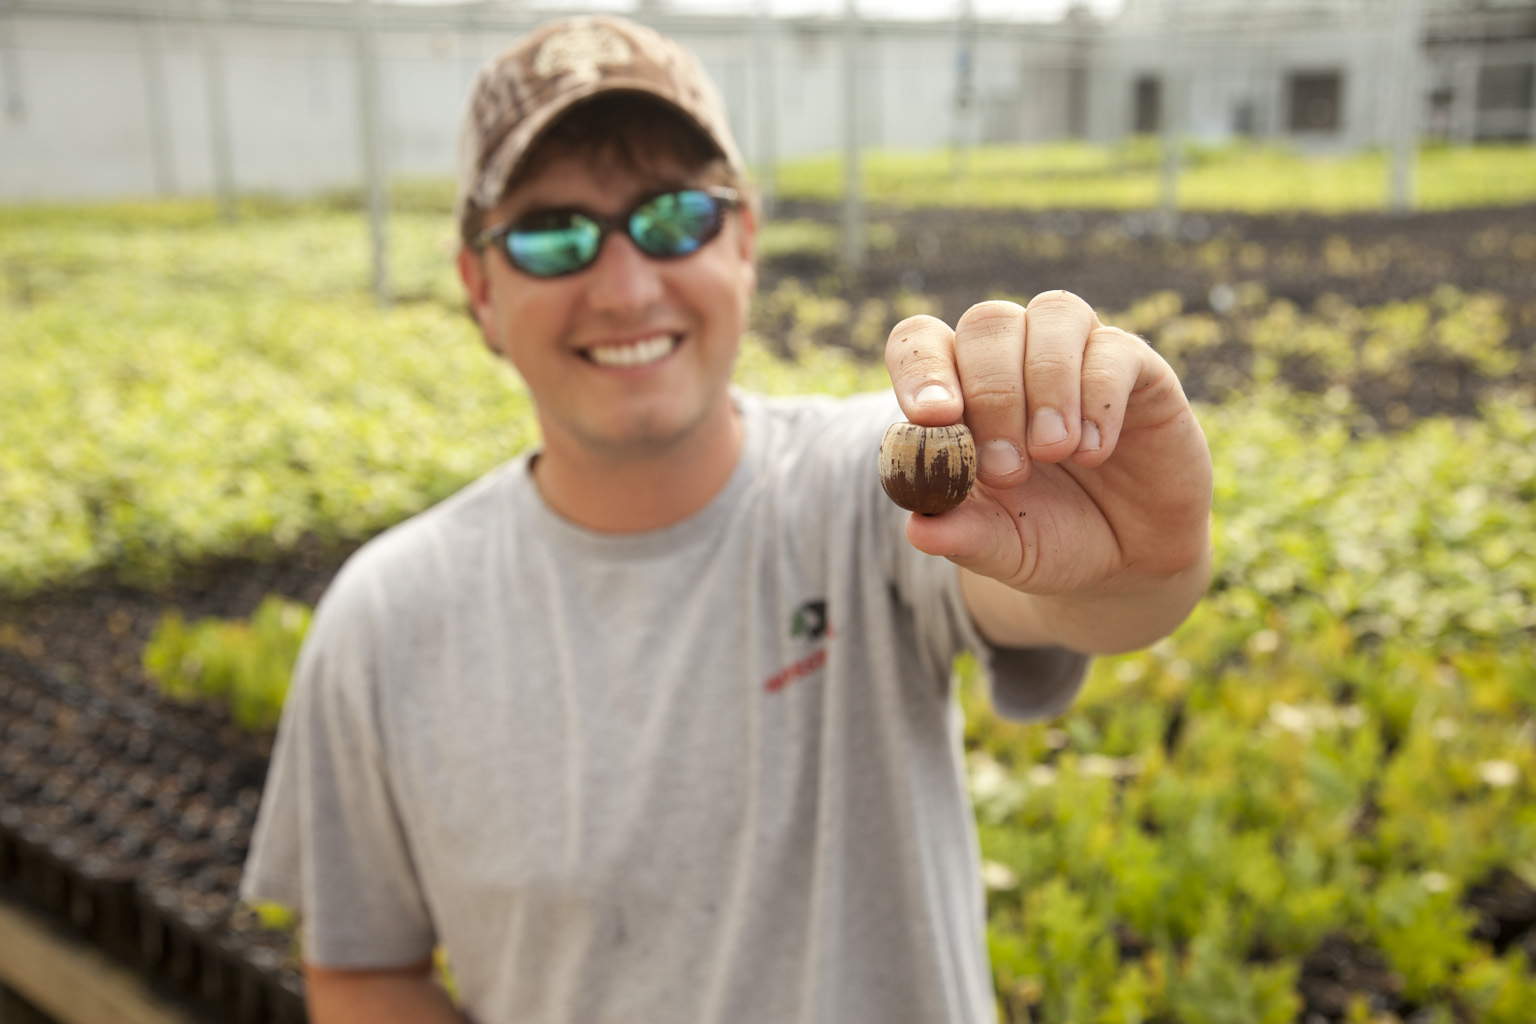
(614, 492)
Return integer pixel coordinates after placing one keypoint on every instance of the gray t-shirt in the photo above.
(710, 773)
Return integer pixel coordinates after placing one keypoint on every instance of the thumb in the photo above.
(978, 535)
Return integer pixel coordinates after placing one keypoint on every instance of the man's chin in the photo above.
(650, 432)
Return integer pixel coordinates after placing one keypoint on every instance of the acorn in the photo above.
(927, 469)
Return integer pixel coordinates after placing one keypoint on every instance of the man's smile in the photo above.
(634, 353)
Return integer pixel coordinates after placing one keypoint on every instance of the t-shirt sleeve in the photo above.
(1024, 683)
(328, 842)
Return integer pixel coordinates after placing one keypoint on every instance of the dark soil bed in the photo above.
(1114, 258)
(128, 816)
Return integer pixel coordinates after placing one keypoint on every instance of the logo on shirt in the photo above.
(809, 621)
(809, 624)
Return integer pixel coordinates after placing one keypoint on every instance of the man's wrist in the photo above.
(1132, 614)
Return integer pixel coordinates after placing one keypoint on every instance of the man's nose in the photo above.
(623, 278)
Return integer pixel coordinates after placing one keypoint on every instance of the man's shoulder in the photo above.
(814, 407)
(420, 552)
(819, 453)
(825, 424)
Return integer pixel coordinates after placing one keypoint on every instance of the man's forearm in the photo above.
(407, 996)
(1132, 619)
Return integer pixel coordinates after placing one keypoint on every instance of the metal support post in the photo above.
(371, 139)
(1171, 117)
(1406, 108)
(156, 100)
(218, 113)
(853, 178)
(965, 88)
(764, 50)
(10, 65)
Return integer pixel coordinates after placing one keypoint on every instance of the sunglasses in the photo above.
(553, 243)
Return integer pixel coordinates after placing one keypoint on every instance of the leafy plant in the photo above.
(1248, 177)
(245, 665)
(1337, 743)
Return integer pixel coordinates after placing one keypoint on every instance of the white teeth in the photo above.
(638, 354)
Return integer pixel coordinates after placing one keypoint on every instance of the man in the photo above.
(654, 723)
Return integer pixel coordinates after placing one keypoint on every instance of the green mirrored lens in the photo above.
(551, 249)
(675, 224)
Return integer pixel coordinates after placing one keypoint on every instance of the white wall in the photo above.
(118, 105)
(95, 124)
(1220, 70)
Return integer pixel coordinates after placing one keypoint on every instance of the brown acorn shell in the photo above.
(927, 469)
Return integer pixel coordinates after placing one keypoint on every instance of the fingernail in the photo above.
(933, 394)
(999, 458)
(1048, 427)
(1091, 440)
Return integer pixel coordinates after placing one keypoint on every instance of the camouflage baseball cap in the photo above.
(524, 89)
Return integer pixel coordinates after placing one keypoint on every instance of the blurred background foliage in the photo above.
(1324, 778)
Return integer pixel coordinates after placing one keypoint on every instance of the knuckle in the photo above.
(1058, 299)
(992, 391)
(1115, 336)
(1113, 352)
(920, 365)
(1061, 310)
(915, 328)
(1052, 363)
(917, 344)
(1100, 379)
(991, 318)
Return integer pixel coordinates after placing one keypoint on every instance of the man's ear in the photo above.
(477, 290)
(746, 232)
